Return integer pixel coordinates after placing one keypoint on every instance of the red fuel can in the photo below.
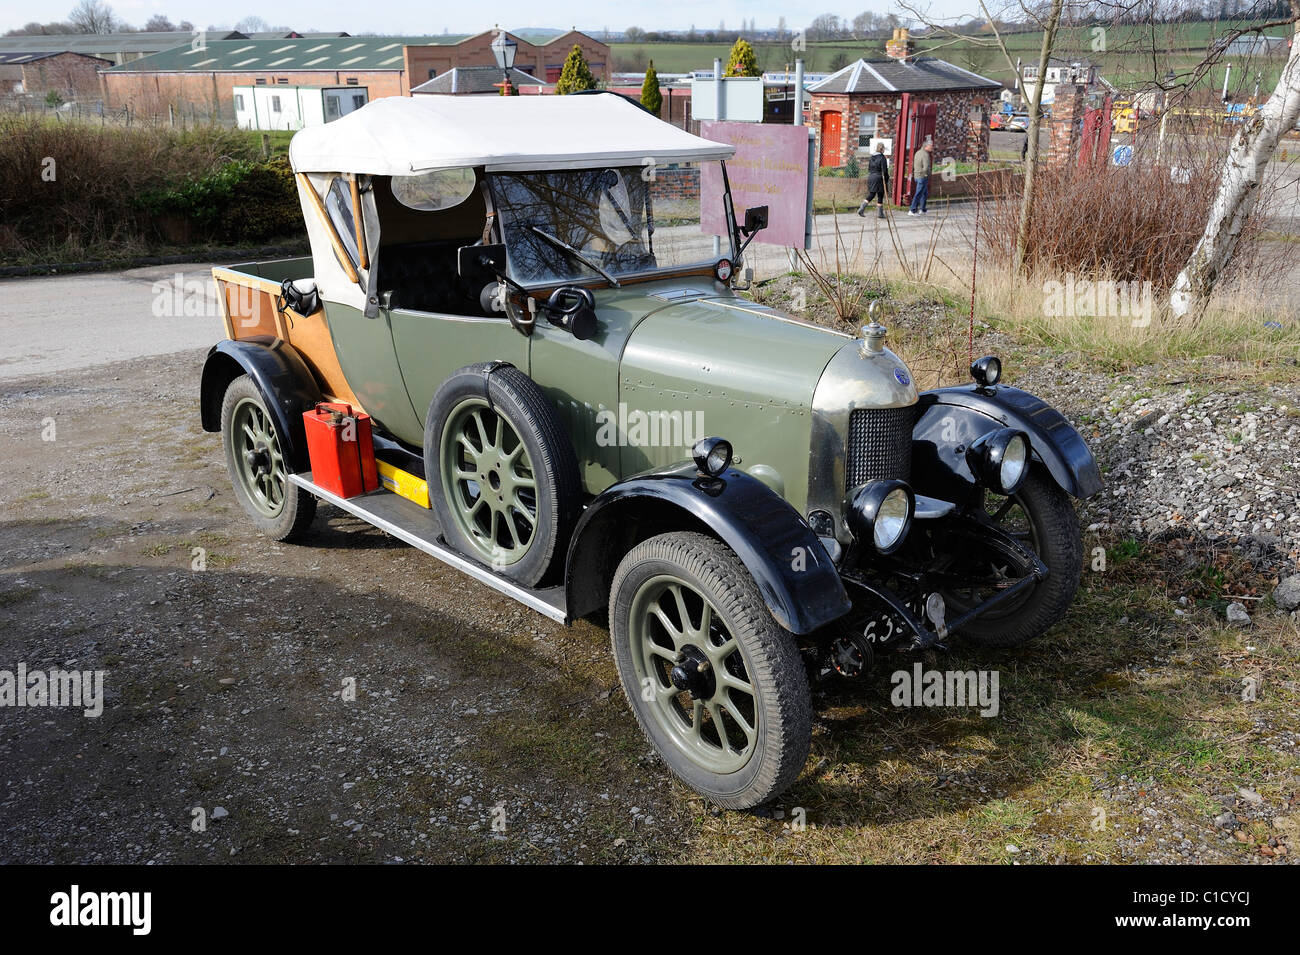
(341, 450)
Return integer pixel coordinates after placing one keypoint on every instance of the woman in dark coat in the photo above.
(877, 181)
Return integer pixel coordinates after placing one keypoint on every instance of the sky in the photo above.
(440, 16)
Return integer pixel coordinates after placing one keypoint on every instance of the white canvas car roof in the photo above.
(402, 135)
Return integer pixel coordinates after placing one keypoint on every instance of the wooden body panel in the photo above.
(250, 307)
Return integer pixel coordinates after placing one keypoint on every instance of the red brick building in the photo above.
(862, 103)
(72, 75)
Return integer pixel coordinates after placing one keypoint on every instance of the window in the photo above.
(282, 80)
(431, 191)
(432, 74)
(338, 203)
(866, 130)
(352, 81)
(239, 102)
(261, 81)
(358, 100)
(275, 104)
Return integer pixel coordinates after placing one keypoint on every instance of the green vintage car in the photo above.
(533, 299)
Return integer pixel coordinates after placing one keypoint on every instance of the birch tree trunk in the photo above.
(1035, 120)
(1251, 150)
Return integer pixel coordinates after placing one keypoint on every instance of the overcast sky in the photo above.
(426, 18)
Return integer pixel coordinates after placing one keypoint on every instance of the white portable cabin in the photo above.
(295, 107)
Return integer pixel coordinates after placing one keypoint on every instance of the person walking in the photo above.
(920, 179)
(877, 181)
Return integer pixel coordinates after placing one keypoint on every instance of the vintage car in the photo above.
(534, 301)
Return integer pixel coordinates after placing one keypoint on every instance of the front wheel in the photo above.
(1041, 517)
(717, 685)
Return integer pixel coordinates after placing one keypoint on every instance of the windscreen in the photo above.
(566, 226)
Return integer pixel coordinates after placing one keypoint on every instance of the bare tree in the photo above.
(1252, 148)
(93, 16)
(1048, 19)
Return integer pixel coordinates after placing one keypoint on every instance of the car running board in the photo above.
(417, 526)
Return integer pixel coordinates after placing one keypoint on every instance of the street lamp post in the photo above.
(504, 49)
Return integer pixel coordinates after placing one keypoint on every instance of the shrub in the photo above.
(1129, 223)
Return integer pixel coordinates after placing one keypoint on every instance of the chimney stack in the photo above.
(901, 47)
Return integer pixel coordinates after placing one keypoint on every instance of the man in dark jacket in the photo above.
(877, 181)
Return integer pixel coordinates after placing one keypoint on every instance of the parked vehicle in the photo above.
(571, 403)
(1125, 116)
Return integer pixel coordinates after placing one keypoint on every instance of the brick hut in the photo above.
(864, 101)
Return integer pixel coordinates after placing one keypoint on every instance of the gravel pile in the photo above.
(1223, 465)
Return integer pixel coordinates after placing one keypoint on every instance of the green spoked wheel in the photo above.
(489, 479)
(259, 470)
(717, 685)
(259, 457)
(503, 478)
(691, 666)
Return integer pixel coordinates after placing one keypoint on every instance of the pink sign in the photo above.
(770, 169)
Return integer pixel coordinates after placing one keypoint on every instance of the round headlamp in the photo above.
(880, 513)
(712, 455)
(1000, 459)
(986, 371)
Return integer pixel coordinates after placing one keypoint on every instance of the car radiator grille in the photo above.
(879, 445)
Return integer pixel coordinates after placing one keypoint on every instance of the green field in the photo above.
(1129, 55)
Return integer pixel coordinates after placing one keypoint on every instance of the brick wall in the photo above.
(1066, 125)
(676, 182)
(72, 74)
(543, 62)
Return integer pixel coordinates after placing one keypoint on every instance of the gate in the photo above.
(916, 124)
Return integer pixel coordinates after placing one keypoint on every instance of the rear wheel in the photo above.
(258, 468)
(718, 687)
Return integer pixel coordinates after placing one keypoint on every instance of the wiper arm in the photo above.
(560, 244)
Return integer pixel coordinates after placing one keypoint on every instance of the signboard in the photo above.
(742, 99)
(770, 169)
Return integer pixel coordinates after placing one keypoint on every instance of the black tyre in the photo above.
(717, 685)
(503, 478)
(1041, 516)
(258, 468)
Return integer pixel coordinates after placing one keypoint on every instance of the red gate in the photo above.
(1094, 142)
(916, 122)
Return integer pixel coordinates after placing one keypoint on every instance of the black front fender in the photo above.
(286, 384)
(949, 419)
(794, 574)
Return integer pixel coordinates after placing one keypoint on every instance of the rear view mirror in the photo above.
(480, 263)
(755, 219)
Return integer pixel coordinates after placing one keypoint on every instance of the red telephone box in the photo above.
(916, 122)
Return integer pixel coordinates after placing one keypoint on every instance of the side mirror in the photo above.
(574, 310)
(480, 263)
(755, 219)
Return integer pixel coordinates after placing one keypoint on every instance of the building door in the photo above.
(916, 124)
(830, 133)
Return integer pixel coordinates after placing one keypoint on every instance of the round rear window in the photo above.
(431, 191)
